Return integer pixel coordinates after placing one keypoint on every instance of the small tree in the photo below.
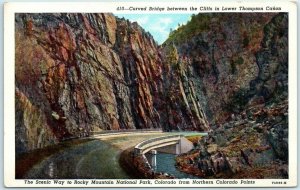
(172, 54)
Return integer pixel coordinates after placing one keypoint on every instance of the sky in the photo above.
(158, 25)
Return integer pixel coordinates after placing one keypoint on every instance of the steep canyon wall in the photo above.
(78, 73)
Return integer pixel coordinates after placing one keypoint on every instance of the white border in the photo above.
(9, 78)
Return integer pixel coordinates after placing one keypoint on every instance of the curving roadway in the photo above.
(95, 159)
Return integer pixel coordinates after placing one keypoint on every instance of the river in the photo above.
(166, 163)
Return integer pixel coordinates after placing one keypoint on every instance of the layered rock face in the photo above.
(184, 101)
(77, 73)
(221, 50)
(252, 143)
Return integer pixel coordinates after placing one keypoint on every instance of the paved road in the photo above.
(97, 158)
(93, 159)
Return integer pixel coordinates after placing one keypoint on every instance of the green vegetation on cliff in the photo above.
(195, 26)
(171, 55)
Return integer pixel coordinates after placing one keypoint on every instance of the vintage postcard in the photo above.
(141, 94)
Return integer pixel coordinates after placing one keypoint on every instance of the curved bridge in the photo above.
(154, 143)
(172, 144)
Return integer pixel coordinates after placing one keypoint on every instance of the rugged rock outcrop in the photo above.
(253, 141)
(253, 147)
(221, 51)
(183, 105)
(78, 73)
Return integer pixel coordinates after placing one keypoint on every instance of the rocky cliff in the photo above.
(221, 50)
(78, 73)
(245, 77)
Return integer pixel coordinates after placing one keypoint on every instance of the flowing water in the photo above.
(166, 163)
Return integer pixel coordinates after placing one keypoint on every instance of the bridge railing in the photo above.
(125, 131)
(139, 148)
